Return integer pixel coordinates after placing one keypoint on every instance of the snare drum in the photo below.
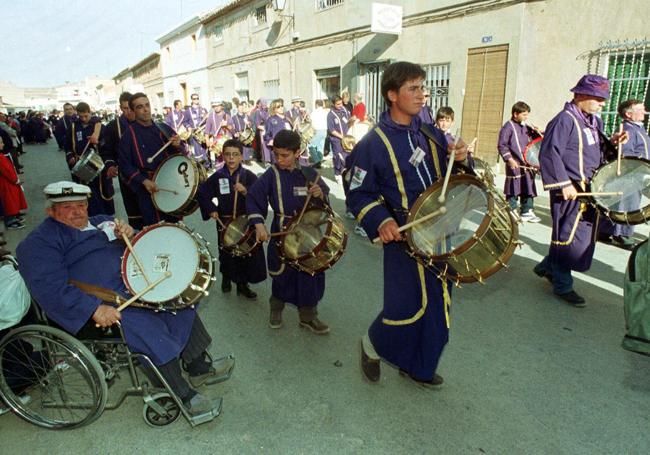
(178, 177)
(531, 153)
(474, 238)
(238, 238)
(633, 206)
(307, 133)
(88, 167)
(316, 243)
(247, 136)
(483, 171)
(167, 247)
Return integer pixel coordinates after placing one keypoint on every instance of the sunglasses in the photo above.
(194, 99)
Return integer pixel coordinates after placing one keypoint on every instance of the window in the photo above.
(217, 34)
(324, 4)
(219, 93)
(241, 85)
(259, 16)
(628, 71)
(193, 43)
(272, 89)
(437, 82)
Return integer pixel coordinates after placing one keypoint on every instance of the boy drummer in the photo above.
(285, 186)
(232, 179)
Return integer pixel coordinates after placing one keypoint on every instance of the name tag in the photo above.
(417, 157)
(224, 186)
(589, 136)
(80, 136)
(300, 191)
(357, 177)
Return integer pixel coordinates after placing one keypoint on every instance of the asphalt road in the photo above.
(524, 372)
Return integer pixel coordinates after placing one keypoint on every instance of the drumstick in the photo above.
(304, 207)
(281, 233)
(613, 193)
(234, 205)
(136, 258)
(223, 226)
(144, 291)
(441, 211)
(620, 151)
(441, 198)
(168, 190)
(151, 158)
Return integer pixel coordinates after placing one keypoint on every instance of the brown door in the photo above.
(484, 97)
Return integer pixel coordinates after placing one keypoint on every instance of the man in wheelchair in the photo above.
(70, 245)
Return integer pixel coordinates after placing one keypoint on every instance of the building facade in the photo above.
(146, 77)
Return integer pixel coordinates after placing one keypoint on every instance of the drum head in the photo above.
(177, 174)
(235, 231)
(161, 248)
(307, 235)
(633, 183)
(531, 153)
(467, 204)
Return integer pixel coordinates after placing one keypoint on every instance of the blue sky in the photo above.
(47, 43)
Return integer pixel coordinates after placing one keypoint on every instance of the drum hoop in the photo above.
(127, 253)
(318, 248)
(528, 146)
(482, 229)
(190, 200)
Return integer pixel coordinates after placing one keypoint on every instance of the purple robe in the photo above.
(193, 119)
(250, 269)
(175, 119)
(54, 253)
(276, 187)
(213, 123)
(273, 125)
(426, 115)
(513, 139)
(570, 153)
(337, 120)
(238, 124)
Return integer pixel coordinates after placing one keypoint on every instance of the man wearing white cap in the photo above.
(217, 123)
(70, 245)
(297, 113)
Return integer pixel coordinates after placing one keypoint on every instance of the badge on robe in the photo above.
(357, 177)
(224, 186)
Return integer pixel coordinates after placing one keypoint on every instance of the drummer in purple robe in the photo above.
(238, 123)
(276, 122)
(574, 146)
(232, 179)
(217, 124)
(259, 115)
(194, 117)
(391, 167)
(337, 127)
(70, 245)
(142, 140)
(176, 116)
(520, 179)
(87, 128)
(284, 186)
(632, 113)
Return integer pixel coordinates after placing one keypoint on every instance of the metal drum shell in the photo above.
(247, 136)
(490, 229)
(89, 166)
(245, 246)
(191, 204)
(634, 217)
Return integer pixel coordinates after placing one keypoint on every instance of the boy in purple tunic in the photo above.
(444, 122)
(520, 180)
(632, 113)
(284, 186)
(232, 179)
(337, 127)
(574, 146)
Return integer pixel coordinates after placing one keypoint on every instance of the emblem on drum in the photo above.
(182, 169)
(161, 263)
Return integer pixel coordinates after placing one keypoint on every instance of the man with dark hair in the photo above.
(284, 186)
(391, 166)
(632, 113)
(520, 179)
(574, 146)
(84, 134)
(337, 127)
(141, 141)
(176, 116)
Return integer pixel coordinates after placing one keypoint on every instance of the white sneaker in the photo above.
(530, 217)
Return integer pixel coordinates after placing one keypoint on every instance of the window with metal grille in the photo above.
(324, 4)
(627, 66)
(437, 82)
(272, 89)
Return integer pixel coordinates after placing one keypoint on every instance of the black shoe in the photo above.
(605, 238)
(226, 285)
(370, 368)
(243, 289)
(434, 383)
(623, 242)
(573, 298)
(543, 274)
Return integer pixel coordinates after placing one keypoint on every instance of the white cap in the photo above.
(216, 102)
(65, 191)
(295, 99)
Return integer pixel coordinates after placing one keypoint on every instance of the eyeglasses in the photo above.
(231, 154)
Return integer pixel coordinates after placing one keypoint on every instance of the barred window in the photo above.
(324, 4)
(437, 82)
(272, 89)
(259, 16)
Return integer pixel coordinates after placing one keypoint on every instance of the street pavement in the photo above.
(524, 372)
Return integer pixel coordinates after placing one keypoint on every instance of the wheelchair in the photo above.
(57, 381)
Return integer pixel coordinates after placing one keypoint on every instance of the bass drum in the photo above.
(169, 248)
(178, 178)
(531, 153)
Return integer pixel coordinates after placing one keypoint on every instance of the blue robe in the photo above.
(101, 199)
(61, 129)
(54, 253)
(513, 139)
(251, 269)
(192, 119)
(138, 143)
(337, 120)
(570, 153)
(275, 187)
(413, 327)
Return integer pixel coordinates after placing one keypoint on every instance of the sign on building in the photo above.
(386, 19)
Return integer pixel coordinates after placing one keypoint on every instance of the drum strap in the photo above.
(278, 186)
(396, 170)
(514, 132)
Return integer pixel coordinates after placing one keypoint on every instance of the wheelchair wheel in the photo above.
(168, 412)
(65, 384)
